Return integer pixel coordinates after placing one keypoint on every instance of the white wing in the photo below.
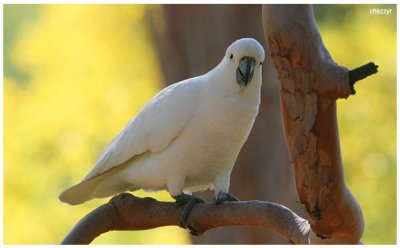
(154, 127)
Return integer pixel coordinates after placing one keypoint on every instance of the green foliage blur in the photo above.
(75, 74)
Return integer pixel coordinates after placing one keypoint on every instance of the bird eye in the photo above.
(231, 57)
(261, 63)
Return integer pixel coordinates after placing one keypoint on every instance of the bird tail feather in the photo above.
(103, 185)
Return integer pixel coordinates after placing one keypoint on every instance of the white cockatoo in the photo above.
(187, 138)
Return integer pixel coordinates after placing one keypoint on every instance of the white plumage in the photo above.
(187, 137)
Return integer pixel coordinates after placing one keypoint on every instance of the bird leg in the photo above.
(222, 196)
(188, 201)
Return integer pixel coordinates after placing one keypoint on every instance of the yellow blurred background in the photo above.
(74, 75)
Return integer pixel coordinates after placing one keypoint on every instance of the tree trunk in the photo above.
(191, 40)
(311, 82)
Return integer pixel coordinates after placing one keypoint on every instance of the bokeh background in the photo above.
(74, 75)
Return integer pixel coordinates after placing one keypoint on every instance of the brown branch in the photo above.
(311, 82)
(360, 73)
(127, 212)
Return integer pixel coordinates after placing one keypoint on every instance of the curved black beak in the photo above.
(245, 70)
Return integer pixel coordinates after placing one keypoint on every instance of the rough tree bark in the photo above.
(310, 84)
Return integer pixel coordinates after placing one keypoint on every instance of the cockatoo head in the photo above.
(247, 56)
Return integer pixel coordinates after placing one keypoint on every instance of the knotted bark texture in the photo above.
(311, 82)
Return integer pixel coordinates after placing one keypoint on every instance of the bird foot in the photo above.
(193, 231)
(188, 201)
(222, 196)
